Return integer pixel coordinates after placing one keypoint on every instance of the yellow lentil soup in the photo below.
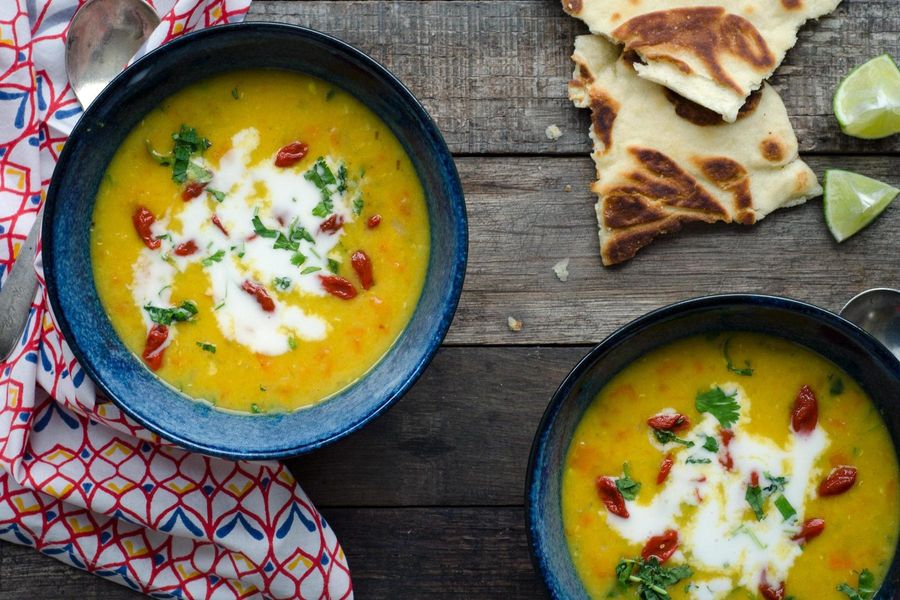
(260, 239)
(735, 466)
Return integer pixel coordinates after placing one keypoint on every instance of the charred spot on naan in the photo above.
(708, 32)
(772, 149)
(603, 114)
(660, 178)
(621, 245)
(700, 115)
(627, 206)
(730, 176)
(792, 4)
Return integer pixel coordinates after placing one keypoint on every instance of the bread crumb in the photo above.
(562, 270)
(568, 188)
(514, 324)
(553, 132)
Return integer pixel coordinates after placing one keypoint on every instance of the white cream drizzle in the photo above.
(718, 536)
(280, 197)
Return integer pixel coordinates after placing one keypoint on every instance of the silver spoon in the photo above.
(102, 38)
(878, 312)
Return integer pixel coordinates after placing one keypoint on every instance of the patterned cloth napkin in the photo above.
(78, 480)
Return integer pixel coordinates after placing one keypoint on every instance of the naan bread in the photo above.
(713, 52)
(663, 161)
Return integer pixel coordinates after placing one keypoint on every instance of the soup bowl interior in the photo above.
(863, 358)
(67, 225)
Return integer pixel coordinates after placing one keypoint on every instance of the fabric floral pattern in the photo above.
(81, 482)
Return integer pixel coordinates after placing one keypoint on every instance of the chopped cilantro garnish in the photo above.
(711, 444)
(776, 484)
(342, 178)
(162, 289)
(165, 236)
(261, 230)
(297, 233)
(785, 508)
(309, 270)
(358, 205)
(323, 208)
(866, 587)
(207, 346)
(322, 177)
(213, 258)
(720, 405)
(334, 266)
(163, 159)
(235, 93)
(254, 408)
(282, 242)
(664, 436)
(628, 486)
(297, 259)
(292, 343)
(187, 144)
(282, 283)
(650, 576)
(754, 498)
(262, 388)
(219, 305)
(745, 371)
(219, 196)
(166, 316)
(837, 386)
(694, 460)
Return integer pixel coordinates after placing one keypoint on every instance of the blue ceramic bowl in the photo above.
(66, 231)
(863, 357)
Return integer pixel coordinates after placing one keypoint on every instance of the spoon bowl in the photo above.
(878, 312)
(103, 37)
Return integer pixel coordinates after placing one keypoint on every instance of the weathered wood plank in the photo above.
(461, 437)
(393, 553)
(494, 74)
(521, 222)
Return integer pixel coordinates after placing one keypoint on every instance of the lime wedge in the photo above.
(867, 102)
(852, 201)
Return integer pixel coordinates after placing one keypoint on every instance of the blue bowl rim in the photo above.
(532, 527)
(451, 298)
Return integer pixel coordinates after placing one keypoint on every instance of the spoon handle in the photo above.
(17, 293)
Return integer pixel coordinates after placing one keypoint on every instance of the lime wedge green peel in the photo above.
(852, 201)
(867, 102)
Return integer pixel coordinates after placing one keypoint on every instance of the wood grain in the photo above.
(493, 74)
(394, 553)
(521, 222)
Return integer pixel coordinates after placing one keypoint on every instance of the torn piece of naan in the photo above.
(664, 161)
(712, 52)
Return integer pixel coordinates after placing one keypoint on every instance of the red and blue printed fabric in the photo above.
(78, 480)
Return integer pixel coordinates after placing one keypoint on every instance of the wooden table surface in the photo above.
(427, 500)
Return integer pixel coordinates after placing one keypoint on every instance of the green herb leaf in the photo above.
(292, 343)
(323, 208)
(235, 94)
(198, 173)
(720, 405)
(282, 283)
(166, 316)
(297, 233)
(322, 177)
(695, 460)
(664, 437)
(342, 178)
(837, 387)
(358, 205)
(785, 508)
(334, 266)
(254, 408)
(628, 486)
(163, 159)
(188, 144)
(776, 484)
(219, 196)
(284, 243)
(746, 372)
(297, 259)
(261, 230)
(213, 258)
(651, 578)
(866, 587)
(207, 346)
(309, 270)
(754, 498)
(711, 444)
